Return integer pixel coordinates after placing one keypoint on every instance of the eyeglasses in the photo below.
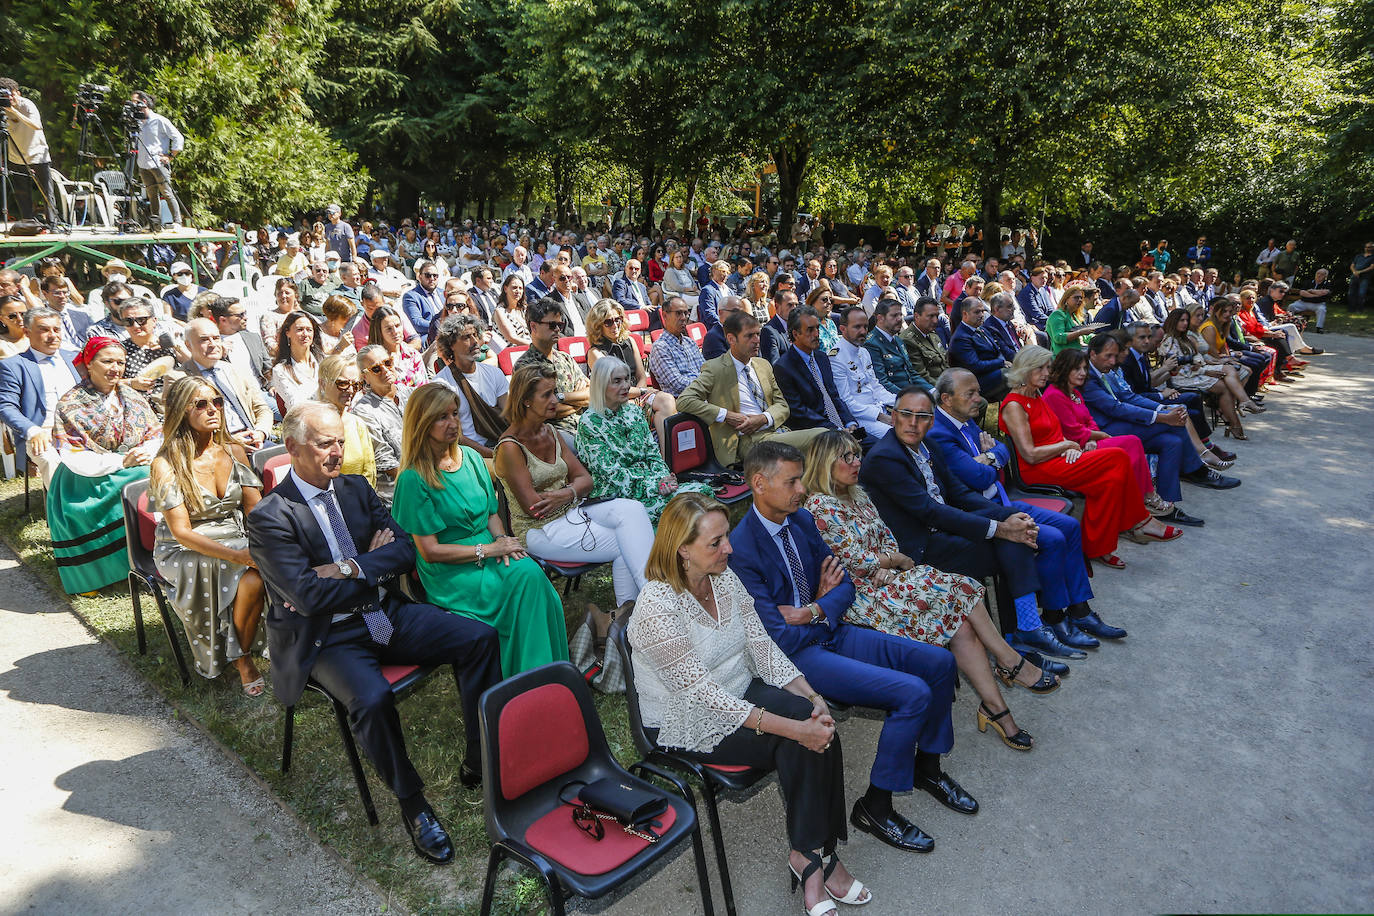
(243, 314)
(344, 384)
(587, 821)
(203, 403)
(914, 414)
(553, 325)
(388, 363)
(614, 319)
(429, 276)
(138, 322)
(851, 457)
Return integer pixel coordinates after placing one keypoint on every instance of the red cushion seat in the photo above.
(558, 837)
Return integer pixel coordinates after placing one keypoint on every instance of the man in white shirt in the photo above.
(518, 266)
(158, 144)
(460, 343)
(388, 279)
(28, 151)
(852, 366)
(469, 253)
(858, 270)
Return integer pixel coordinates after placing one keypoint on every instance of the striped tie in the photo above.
(378, 625)
(799, 579)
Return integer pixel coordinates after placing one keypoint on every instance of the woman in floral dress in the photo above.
(896, 596)
(617, 448)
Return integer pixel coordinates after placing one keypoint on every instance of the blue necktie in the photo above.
(803, 585)
(378, 625)
(972, 440)
(222, 382)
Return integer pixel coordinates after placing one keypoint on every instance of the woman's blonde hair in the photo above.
(821, 456)
(522, 384)
(757, 276)
(680, 524)
(427, 404)
(990, 289)
(1027, 360)
(179, 440)
(596, 321)
(1069, 294)
(331, 367)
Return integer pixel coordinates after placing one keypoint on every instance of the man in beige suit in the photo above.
(737, 397)
(246, 411)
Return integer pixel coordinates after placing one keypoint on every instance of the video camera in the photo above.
(90, 96)
(6, 98)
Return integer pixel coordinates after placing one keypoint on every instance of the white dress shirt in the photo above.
(857, 384)
(58, 379)
(748, 404)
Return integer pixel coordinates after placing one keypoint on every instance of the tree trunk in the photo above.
(525, 193)
(990, 188)
(407, 199)
(791, 160)
(688, 199)
(562, 183)
(651, 186)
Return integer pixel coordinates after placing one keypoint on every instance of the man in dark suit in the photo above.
(32, 382)
(325, 545)
(801, 594)
(481, 293)
(998, 324)
(1035, 298)
(714, 343)
(971, 348)
(713, 293)
(1101, 276)
(628, 290)
(773, 337)
(1085, 255)
(539, 287)
(1113, 313)
(936, 518)
(75, 323)
(1152, 384)
(807, 380)
(976, 459)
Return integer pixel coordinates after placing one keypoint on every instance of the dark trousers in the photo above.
(1058, 558)
(812, 784)
(350, 668)
(980, 559)
(1197, 413)
(1170, 443)
(23, 178)
(1255, 362)
(913, 681)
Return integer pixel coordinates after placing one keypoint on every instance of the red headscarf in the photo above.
(94, 346)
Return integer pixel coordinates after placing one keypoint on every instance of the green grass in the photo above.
(1344, 320)
(319, 788)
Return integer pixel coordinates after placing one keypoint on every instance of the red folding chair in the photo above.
(690, 456)
(697, 331)
(507, 357)
(655, 335)
(637, 320)
(274, 470)
(140, 527)
(576, 347)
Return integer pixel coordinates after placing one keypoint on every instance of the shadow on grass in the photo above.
(319, 788)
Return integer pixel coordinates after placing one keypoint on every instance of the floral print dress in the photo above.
(919, 603)
(623, 458)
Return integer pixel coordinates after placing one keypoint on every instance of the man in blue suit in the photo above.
(325, 545)
(424, 302)
(714, 344)
(801, 594)
(773, 338)
(971, 348)
(1118, 411)
(713, 293)
(1113, 313)
(32, 382)
(1035, 299)
(807, 381)
(628, 290)
(976, 459)
(998, 324)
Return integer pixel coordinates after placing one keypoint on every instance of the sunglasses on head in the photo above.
(385, 364)
(203, 403)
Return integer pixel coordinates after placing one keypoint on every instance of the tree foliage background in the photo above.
(1120, 119)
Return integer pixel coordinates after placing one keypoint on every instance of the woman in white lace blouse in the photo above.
(713, 683)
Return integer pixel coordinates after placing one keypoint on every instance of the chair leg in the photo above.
(708, 906)
(713, 812)
(489, 885)
(341, 714)
(135, 581)
(288, 733)
(172, 637)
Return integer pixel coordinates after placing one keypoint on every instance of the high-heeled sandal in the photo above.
(813, 864)
(855, 895)
(1217, 464)
(1234, 434)
(1111, 561)
(1048, 683)
(1158, 505)
(1021, 741)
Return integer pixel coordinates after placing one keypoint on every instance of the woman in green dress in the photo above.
(1067, 325)
(617, 448)
(468, 564)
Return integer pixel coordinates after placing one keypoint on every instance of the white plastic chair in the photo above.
(236, 289)
(70, 193)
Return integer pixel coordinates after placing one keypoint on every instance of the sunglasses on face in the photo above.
(344, 384)
(914, 414)
(381, 367)
(138, 322)
(429, 276)
(203, 403)
(553, 325)
(614, 320)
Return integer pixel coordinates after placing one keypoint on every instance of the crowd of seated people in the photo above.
(878, 430)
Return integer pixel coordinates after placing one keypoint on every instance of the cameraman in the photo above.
(27, 149)
(158, 144)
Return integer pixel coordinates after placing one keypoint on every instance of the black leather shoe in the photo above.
(1047, 665)
(429, 837)
(1070, 635)
(894, 830)
(1179, 517)
(468, 777)
(1042, 640)
(948, 793)
(1206, 477)
(1096, 626)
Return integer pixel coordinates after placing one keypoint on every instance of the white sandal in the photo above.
(855, 896)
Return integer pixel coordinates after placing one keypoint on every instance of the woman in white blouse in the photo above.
(711, 682)
(295, 373)
(678, 280)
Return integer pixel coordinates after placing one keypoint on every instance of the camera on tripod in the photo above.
(130, 116)
(91, 96)
(6, 99)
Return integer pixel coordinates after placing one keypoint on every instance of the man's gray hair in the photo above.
(368, 352)
(39, 314)
(944, 385)
(298, 422)
(450, 329)
(1135, 327)
(765, 457)
(1003, 299)
(370, 291)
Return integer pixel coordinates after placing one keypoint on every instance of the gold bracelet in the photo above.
(758, 726)
(814, 697)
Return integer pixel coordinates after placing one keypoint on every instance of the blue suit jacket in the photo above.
(1105, 406)
(1105, 288)
(21, 397)
(758, 563)
(803, 397)
(1110, 314)
(286, 542)
(773, 341)
(1035, 307)
(714, 344)
(960, 454)
(979, 354)
(1001, 335)
(536, 290)
(419, 308)
(708, 304)
(622, 291)
(898, 490)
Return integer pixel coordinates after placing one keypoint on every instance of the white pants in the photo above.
(867, 413)
(617, 531)
(1295, 341)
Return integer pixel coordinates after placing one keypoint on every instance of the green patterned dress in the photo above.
(624, 460)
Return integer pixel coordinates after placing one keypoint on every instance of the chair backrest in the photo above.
(637, 320)
(274, 471)
(688, 443)
(655, 335)
(236, 289)
(140, 525)
(643, 350)
(620, 639)
(263, 455)
(576, 347)
(112, 181)
(506, 358)
(697, 331)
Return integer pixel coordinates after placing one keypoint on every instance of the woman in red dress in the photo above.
(1112, 498)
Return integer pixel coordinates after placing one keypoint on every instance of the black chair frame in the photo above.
(143, 576)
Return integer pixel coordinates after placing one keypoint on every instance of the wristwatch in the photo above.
(348, 569)
(559, 395)
(815, 612)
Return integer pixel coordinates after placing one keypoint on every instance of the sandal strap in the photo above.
(988, 712)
